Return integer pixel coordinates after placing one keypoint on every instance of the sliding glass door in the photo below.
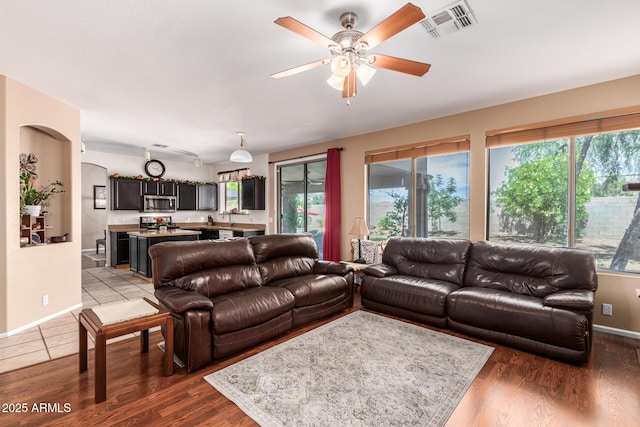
(301, 201)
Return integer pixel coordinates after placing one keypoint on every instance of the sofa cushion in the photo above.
(209, 267)
(518, 315)
(280, 256)
(437, 259)
(314, 289)
(530, 270)
(250, 307)
(426, 296)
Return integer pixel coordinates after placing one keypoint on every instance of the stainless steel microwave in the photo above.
(159, 203)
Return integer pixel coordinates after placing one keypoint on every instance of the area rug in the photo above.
(362, 369)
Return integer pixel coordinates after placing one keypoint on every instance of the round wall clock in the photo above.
(154, 168)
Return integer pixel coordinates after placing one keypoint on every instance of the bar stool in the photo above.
(102, 242)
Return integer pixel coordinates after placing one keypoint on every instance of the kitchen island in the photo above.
(223, 231)
(118, 236)
(140, 242)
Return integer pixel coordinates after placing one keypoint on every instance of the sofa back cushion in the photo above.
(209, 267)
(439, 259)
(530, 270)
(280, 256)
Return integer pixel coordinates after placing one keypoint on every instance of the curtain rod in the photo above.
(235, 170)
(302, 157)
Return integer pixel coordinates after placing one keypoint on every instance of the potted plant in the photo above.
(31, 198)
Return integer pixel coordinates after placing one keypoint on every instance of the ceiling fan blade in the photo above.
(403, 18)
(350, 89)
(300, 69)
(398, 64)
(298, 27)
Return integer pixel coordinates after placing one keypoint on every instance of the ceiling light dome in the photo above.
(241, 155)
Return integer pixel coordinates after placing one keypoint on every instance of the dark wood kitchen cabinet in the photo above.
(159, 188)
(207, 197)
(119, 248)
(139, 244)
(126, 194)
(187, 197)
(252, 195)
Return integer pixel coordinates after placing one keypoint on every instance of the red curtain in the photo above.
(332, 210)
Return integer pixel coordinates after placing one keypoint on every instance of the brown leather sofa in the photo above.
(539, 299)
(226, 296)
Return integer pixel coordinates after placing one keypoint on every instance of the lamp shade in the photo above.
(364, 73)
(341, 66)
(359, 227)
(336, 82)
(241, 155)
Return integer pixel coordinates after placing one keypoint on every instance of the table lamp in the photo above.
(360, 229)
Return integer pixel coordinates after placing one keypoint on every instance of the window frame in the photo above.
(413, 152)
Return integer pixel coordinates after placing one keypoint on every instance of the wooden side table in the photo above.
(90, 322)
(358, 270)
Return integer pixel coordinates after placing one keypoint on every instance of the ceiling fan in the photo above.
(350, 49)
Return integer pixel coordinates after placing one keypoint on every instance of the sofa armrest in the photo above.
(179, 300)
(330, 267)
(575, 299)
(380, 270)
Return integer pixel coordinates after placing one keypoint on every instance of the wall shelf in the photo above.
(32, 226)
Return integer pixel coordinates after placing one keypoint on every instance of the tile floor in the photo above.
(59, 337)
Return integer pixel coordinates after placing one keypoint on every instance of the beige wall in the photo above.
(618, 290)
(26, 274)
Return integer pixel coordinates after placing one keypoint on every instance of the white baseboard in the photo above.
(37, 322)
(616, 331)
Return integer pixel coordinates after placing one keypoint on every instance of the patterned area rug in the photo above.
(360, 370)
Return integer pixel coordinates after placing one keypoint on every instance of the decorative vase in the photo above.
(162, 229)
(33, 210)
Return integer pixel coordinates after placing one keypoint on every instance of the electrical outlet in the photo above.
(45, 299)
(607, 309)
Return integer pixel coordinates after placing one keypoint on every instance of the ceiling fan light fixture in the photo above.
(336, 82)
(241, 155)
(341, 66)
(365, 73)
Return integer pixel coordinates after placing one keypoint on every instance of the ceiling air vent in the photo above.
(453, 18)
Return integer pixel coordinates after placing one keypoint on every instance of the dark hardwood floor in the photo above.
(513, 389)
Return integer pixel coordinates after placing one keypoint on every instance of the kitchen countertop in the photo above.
(223, 226)
(155, 233)
(192, 225)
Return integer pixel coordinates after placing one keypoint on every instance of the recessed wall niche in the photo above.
(53, 151)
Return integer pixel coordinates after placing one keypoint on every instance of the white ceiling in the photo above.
(190, 74)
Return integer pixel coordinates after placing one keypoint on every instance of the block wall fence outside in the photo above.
(609, 217)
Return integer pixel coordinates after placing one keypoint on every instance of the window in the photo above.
(231, 196)
(569, 191)
(426, 194)
(229, 189)
(390, 191)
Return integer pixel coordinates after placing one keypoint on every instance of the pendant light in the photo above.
(241, 155)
